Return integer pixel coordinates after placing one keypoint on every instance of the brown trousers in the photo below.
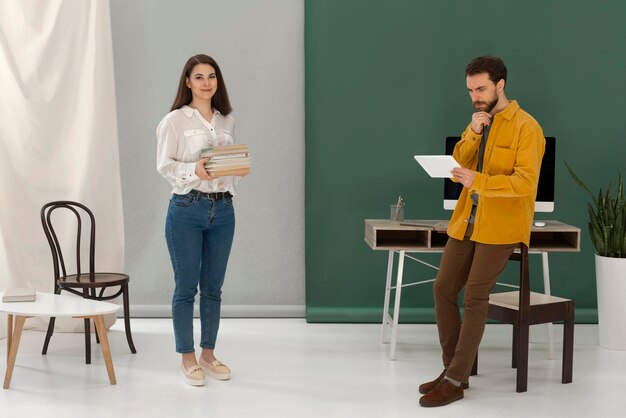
(476, 267)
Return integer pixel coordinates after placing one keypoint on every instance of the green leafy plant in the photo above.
(607, 218)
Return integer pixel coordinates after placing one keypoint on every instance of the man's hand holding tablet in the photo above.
(465, 176)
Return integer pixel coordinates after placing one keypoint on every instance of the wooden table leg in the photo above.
(9, 333)
(15, 342)
(104, 345)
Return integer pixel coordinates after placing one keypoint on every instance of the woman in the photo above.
(200, 219)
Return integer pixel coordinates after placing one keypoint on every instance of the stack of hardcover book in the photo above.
(227, 160)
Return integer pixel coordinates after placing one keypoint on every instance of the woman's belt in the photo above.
(212, 196)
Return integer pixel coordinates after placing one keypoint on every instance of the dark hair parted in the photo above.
(493, 66)
(220, 99)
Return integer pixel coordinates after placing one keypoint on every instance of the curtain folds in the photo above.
(58, 135)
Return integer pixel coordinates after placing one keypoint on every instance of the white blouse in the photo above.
(181, 135)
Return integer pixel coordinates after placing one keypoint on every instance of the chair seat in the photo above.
(543, 308)
(99, 280)
(510, 300)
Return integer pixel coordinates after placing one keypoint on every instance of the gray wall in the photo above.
(260, 49)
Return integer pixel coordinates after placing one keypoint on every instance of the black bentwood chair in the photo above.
(90, 285)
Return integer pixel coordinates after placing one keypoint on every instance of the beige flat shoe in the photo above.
(216, 369)
(194, 376)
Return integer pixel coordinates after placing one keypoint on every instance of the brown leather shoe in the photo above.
(428, 386)
(444, 393)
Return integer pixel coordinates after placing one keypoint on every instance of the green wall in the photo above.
(385, 81)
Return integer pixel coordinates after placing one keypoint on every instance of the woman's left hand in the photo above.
(201, 171)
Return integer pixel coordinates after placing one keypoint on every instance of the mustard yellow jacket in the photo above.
(507, 187)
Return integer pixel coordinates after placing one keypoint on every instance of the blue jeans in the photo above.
(199, 233)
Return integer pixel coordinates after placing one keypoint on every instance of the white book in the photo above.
(227, 156)
(19, 294)
(222, 163)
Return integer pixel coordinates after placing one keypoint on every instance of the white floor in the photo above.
(288, 368)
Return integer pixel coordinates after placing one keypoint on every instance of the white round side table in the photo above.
(48, 305)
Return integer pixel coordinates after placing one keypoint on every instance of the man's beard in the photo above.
(489, 105)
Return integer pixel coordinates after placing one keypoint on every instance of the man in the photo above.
(500, 155)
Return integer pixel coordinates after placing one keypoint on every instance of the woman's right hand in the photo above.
(201, 171)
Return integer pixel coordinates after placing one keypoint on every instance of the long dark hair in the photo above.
(220, 99)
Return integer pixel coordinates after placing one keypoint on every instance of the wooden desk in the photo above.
(431, 237)
(47, 304)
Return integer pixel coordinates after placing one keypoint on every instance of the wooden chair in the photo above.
(91, 284)
(524, 308)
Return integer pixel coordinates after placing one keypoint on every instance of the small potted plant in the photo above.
(607, 229)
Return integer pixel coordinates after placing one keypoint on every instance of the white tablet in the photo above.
(438, 166)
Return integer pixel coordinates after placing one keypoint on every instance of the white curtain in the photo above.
(58, 135)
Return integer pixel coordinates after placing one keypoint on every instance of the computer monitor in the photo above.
(545, 190)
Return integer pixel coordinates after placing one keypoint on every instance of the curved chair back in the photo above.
(80, 211)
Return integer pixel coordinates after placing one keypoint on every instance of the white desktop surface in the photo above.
(49, 304)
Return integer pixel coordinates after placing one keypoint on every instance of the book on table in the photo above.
(19, 294)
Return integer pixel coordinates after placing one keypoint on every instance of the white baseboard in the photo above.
(228, 311)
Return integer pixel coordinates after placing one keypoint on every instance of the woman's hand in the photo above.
(201, 171)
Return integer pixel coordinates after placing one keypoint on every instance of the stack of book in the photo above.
(227, 160)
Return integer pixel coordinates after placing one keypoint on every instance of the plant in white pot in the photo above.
(607, 228)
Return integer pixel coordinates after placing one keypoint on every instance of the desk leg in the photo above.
(104, 345)
(396, 306)
(546, 290)
(15, 343)
(387, 297)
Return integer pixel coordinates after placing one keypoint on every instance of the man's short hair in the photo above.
(493, 66)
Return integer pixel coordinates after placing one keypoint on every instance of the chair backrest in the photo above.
(80, 211)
